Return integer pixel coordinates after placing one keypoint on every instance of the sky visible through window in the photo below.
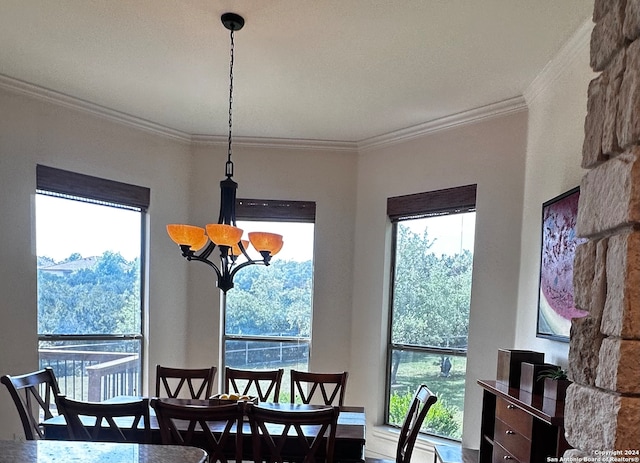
(451, 234)
(67, 226)
(297, 236)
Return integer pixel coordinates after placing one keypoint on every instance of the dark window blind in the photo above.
(73, 184)
(431, 203)
(275, 210)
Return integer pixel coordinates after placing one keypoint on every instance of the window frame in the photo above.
(268, 210)
(109, 193)
(447, 201)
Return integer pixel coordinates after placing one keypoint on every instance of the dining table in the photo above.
(350, 431)
(49, 451)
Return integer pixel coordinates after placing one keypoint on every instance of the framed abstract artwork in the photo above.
(559, 242)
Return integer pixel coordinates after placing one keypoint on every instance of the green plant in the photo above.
(398, 406)
(553, 373)
(441, 418)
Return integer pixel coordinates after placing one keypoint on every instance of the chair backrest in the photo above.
(33, 394)
(420, 404)
(210, 427)
(265, 383)
(107, 422)
(199, 381)
(279, 434)
(330, 385)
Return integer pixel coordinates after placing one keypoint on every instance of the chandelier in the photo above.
(225, 235)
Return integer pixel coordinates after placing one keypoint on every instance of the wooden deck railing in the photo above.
(113, 378)
(91, 375)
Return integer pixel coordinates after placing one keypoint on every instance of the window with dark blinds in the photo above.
(431, 273)
(90, 244)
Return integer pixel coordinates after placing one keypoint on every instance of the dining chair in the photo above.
(107, 422)
(330, 385)
(34, 396)
(185, 424)
(266, 383)
(420, 405)
(199, 381)
(278, 434)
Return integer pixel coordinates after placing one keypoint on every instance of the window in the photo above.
(433, 237)
(89, 242)
(268, 312)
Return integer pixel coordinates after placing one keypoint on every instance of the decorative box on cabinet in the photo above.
(518, 426)
(510, 364)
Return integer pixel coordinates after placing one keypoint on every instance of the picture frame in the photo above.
(557, 251)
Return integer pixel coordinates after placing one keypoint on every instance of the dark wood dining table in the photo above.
(45, 451)
(350, 432)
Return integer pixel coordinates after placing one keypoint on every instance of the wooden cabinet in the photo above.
(520, 427)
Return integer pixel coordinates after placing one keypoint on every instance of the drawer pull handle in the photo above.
(509, 431)
(507, 457)
(511, 406)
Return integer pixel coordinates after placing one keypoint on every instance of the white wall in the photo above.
(32, 132)
(490, 154)
(557, 108)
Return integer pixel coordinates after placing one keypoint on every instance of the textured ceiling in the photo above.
(342, 70)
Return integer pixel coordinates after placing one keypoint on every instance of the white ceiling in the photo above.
(342, 70)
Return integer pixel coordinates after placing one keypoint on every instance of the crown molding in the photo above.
(500, 108)
(555, 68)
(61, 99)
(277, 143)
(467, 117)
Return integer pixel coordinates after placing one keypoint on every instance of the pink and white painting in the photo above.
(559, 242)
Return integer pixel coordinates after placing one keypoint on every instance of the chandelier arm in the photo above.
(246, 264)
(207, 251)
(206, 261)
(244, 252)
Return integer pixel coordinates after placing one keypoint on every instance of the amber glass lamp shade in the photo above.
(187, 235)
(264, 241)
(278, 248)
(235, 249)
(204, 239)
(224, 235)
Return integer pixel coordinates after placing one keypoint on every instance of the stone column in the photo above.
(602, 409)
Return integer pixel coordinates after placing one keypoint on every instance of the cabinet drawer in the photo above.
(515, 443)
(515, 417)
(500, 455)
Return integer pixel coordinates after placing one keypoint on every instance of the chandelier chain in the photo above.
(229, 164)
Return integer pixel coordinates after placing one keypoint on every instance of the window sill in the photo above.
(423, 442)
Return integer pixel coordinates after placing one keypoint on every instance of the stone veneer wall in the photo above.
(602, 410)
